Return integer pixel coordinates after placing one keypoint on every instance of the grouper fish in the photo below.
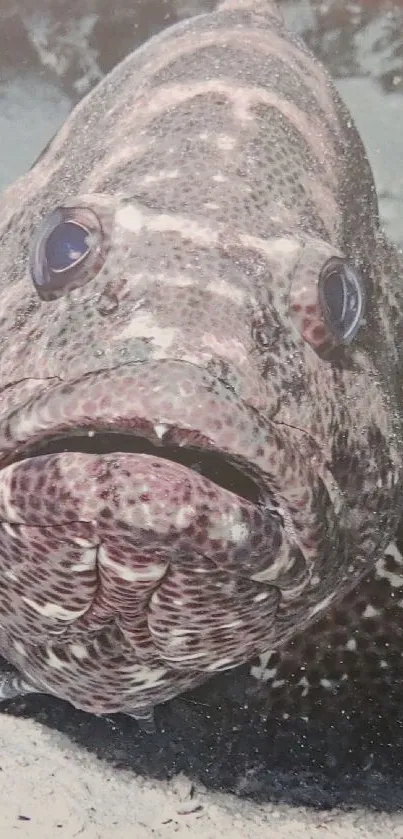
(201, 432)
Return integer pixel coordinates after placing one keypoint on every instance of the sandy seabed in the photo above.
(51, 788)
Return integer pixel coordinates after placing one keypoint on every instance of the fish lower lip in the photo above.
(138, 539)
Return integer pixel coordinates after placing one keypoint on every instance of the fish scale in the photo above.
(201, 449)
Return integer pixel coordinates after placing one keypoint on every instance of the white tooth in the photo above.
(160, 429)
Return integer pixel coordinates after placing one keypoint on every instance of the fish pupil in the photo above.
(66, 246)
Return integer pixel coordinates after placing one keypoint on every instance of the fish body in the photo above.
(200, 371)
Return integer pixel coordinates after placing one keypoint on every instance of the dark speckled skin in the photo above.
(193, 470)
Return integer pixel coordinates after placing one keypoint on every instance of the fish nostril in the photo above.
(107, 304)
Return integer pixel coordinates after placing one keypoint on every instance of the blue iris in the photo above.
(66, 245)
(343, 298)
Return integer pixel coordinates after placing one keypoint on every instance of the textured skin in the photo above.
(188, 479)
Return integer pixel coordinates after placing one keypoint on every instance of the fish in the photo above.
(200, 379)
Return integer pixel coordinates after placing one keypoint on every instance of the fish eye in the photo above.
(67, 251)
(341, 297)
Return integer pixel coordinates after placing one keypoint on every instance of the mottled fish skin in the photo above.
(218, 173)
(348, 662)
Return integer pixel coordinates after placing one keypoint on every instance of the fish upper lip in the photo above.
(137, 399)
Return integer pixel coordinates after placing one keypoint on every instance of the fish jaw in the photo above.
(133, 545)
(149, 535)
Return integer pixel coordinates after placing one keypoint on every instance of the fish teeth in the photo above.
(160, 429)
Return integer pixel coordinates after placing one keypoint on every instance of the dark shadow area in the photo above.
(323, 763)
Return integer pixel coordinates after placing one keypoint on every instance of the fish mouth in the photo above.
(138, 496)
(213, 465)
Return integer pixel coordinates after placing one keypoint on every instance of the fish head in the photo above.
(199, 431)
